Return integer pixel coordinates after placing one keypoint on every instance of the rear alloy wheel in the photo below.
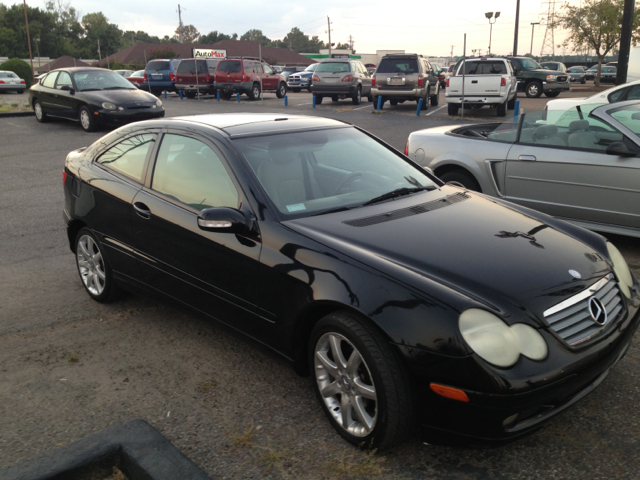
(94, 268)
(360, 381)
(87, 121)
(254, 93)
(533, 90)
(282, 90)
(460, 178)
(357, 98)
(40, 115)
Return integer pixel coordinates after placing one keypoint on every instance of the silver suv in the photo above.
(341, 78)
(401, 77)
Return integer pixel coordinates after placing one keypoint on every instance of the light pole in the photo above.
(533, 25)
(37, 39)
(489, 16)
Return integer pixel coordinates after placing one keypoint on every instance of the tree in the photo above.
(68, 27)
(163, 52)
(13, 32)
(213, 37)
(297, 41)
(97, 27)
(595, 26)
(255, 35)
(189, 34)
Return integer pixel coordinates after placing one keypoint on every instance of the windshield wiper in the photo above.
(334, 210)
(89, 89)
(398, 193)
(117, 88)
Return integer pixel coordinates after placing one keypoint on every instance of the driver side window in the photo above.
(64, 80)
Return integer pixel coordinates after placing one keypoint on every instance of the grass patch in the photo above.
(356, 466)
(244, 439)
(272, 457)
(6, 108)
(72, 358)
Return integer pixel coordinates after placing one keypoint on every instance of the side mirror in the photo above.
(619, 149)
(67, 88)
(222, 220)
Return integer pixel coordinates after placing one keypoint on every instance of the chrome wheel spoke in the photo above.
(100, 274)
(331, 390)
(97, 258)
(365, 419)
(338, 357)
(328, 365)
(83, 251)
(354, 362)
(344, 412)
(363, 390)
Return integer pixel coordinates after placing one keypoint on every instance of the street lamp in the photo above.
(533, 24)
(489, 16)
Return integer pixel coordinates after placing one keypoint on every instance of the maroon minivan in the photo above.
(203, 83)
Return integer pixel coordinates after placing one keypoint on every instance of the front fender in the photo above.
(481, 171)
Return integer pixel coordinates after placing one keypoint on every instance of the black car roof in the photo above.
(259, 123)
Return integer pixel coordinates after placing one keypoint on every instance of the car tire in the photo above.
(20, 92)
(360, 381)
(282, 90)
(452, 108)
(39, 113)
(87, 122)
(393, 103)
(191, 95)
(375, 103)
(357, 98)
(533, 89)
(583, 81)
(369, 98)
(226, 94)
(318, 99)
(502, 109)
(552, 94)
(427, 97)
(435, 99)
(334, 98)
(512, 103)
(93, 267)
(254, 93)
(460, 178)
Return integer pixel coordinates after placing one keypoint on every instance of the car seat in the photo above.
(579, 135)
(547, 135)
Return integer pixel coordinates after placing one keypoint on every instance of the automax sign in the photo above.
(208, 53)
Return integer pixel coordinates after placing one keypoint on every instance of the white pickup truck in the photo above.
(487, 81)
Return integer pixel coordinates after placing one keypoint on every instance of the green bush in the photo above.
(20, 68)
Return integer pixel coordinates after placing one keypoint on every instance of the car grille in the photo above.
(562, 78)
(294, 78)
(138, 107)
(572, 319)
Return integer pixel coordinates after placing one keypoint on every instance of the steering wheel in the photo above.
(347, 181)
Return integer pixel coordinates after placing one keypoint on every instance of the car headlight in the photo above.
(498, 343)
(621, 269)
(551, 78)
(158, 103)
(108, 106)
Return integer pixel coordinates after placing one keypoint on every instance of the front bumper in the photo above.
(491, 419)
(556, 87)
(117, 117)
(329, 90)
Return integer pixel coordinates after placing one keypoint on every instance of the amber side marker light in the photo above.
(449, 392)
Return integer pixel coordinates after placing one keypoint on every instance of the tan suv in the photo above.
(341, 78)
(401, 77)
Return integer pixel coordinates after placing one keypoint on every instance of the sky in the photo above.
(428, 27)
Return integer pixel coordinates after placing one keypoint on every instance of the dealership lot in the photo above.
(71, 367)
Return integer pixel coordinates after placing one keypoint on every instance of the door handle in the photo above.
(142, 210)
(474, 81)
(530, 158)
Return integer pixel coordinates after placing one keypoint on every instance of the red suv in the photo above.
(191, 84)
(242, 75)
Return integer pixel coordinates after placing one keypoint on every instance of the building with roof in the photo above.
(65, 61)
(137, 54)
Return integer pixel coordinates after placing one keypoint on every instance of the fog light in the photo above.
(510, 420)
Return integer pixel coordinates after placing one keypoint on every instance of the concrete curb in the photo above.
(16, 114)
(136, 448)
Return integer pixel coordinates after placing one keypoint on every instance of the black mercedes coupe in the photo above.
(93, 97)
(408, 301)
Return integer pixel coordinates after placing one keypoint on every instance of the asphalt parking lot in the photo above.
(70, 367)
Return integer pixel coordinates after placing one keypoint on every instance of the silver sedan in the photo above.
(584, 166)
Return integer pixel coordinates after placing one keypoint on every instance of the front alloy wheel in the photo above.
(87, 122)
(40, 115)
(360, 381)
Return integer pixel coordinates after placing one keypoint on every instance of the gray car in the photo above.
(10, 82)
(583, 167)
(341, 78)
(577, 74)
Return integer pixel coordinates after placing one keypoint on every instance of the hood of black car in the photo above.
(119, 97)
(470, 243)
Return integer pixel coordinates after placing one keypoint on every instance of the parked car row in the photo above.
(10, 82)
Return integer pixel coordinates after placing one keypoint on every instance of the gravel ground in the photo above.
(70, 367)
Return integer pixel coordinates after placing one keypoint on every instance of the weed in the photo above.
(14, 105)
(351, 467)
(272, 456)
(244, 439)
(206, 386)
(73, 358)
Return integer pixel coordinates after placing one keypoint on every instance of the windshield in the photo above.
(307, 173)
(398, 65)
(576, 70)
(101, 80)
(335, 67)
(311, 67)
(529, 64)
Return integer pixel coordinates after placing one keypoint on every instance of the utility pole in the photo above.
(26, 21)
(452, 53)
(180, 24)
(328, 31)
(515, 33)
(99, 53)
(549, 40)
(351, 42)
(625, 41)
(533, 25)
